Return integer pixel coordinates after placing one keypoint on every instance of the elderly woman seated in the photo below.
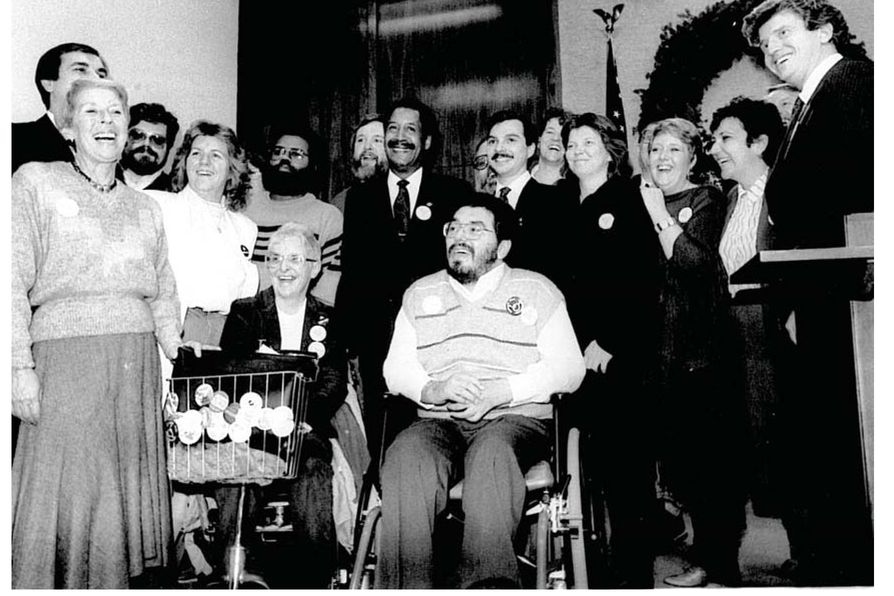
(284, 318)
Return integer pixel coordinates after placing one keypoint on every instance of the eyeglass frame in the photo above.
(481, 162)
(291, 153)
(273, 260)
(136, 135)
(465, 227)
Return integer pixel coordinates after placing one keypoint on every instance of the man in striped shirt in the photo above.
(291, 177)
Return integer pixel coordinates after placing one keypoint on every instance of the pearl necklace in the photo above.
(94, 183)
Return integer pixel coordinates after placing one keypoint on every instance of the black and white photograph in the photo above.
(443, 294)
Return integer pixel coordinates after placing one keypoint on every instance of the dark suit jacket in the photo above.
(38, 141)
(543, 241)
(827, 170)
(377, 267)
(254, 319)
(163, 182)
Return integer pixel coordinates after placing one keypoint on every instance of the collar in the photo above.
(815, 77)
(486, 284)
(414, 179)
(515, 187)
(52, 118)
(755, 192)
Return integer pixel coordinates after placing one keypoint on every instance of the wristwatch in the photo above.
(665, 224)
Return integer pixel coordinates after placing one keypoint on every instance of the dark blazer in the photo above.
(163, 182)
(377, 266)
(542, 243)
(254, 319)
(826, 171)
(38, 141)
(616, 283)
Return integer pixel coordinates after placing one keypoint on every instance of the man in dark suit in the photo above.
(56, 70)
(393, 235)
(544, 212)
(150, 138)
(283, 317)
(823, 171)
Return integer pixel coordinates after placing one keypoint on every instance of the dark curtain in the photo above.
(329, 62)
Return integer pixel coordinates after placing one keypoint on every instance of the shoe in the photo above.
(694, 577)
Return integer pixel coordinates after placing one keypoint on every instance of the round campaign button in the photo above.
(251, 401)
(606, 221)
(189, 427)
(203, 394)
(317, 333)
(282, 428)
(66, 207)
(219, 401)
(239, 432)
(423, 212)
(249, 416)
(231, 412)
(317, 348)
(266, 419)
(685, 214)
(283, 413)
(529, 316)
(218, 432)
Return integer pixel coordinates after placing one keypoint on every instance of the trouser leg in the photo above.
(419, 467)
(499, 453)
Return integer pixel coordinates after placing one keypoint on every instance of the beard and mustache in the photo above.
(471, 273)
(364, 171)
(287, 182)
(143, 160)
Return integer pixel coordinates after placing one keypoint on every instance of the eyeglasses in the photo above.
(274, 260)
(480, 162)
(473, 230)
(290, 153)
(136, 135)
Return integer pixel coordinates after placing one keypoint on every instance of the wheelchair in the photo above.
(564, 517)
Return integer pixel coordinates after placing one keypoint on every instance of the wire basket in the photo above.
(237, 421)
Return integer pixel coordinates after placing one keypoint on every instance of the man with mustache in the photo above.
(291, 178)
(543, 211)
(823, 171)
(59, 66)
(367, 154)
(479, 347)
(150, 138)
(392, 236)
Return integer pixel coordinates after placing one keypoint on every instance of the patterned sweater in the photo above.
(86, 263)
(324, 220)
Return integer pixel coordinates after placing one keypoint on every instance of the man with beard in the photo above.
(543, 211)
(479, 347)
(56, 70)
(367, 154)
(291, 179)
(150, 138)
(392, 237)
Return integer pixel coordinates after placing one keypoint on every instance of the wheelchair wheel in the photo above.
(360, 574)
(577, 537)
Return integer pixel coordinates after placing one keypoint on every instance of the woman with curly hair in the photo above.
(210, 242)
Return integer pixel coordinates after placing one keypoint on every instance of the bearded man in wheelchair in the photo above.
(480, 347)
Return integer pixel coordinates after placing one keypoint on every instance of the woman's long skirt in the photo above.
(90, 494)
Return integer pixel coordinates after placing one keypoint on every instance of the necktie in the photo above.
(402, 208)
(504, 194)
(796, 110)
(782, 152)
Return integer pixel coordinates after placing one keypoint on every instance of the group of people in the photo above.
(554, 270)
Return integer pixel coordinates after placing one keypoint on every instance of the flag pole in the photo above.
(614, 105)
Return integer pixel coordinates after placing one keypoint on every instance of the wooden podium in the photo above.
(828, 416)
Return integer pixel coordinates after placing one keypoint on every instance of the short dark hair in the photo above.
(561, 115)
(531, 135)
(815, 13)
(757, 118)
(612, 137)
(48, 65)
(427, 117)
(505, 219)
(156, 114)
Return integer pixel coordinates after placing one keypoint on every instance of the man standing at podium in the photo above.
(823, 169)
(822, 172)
